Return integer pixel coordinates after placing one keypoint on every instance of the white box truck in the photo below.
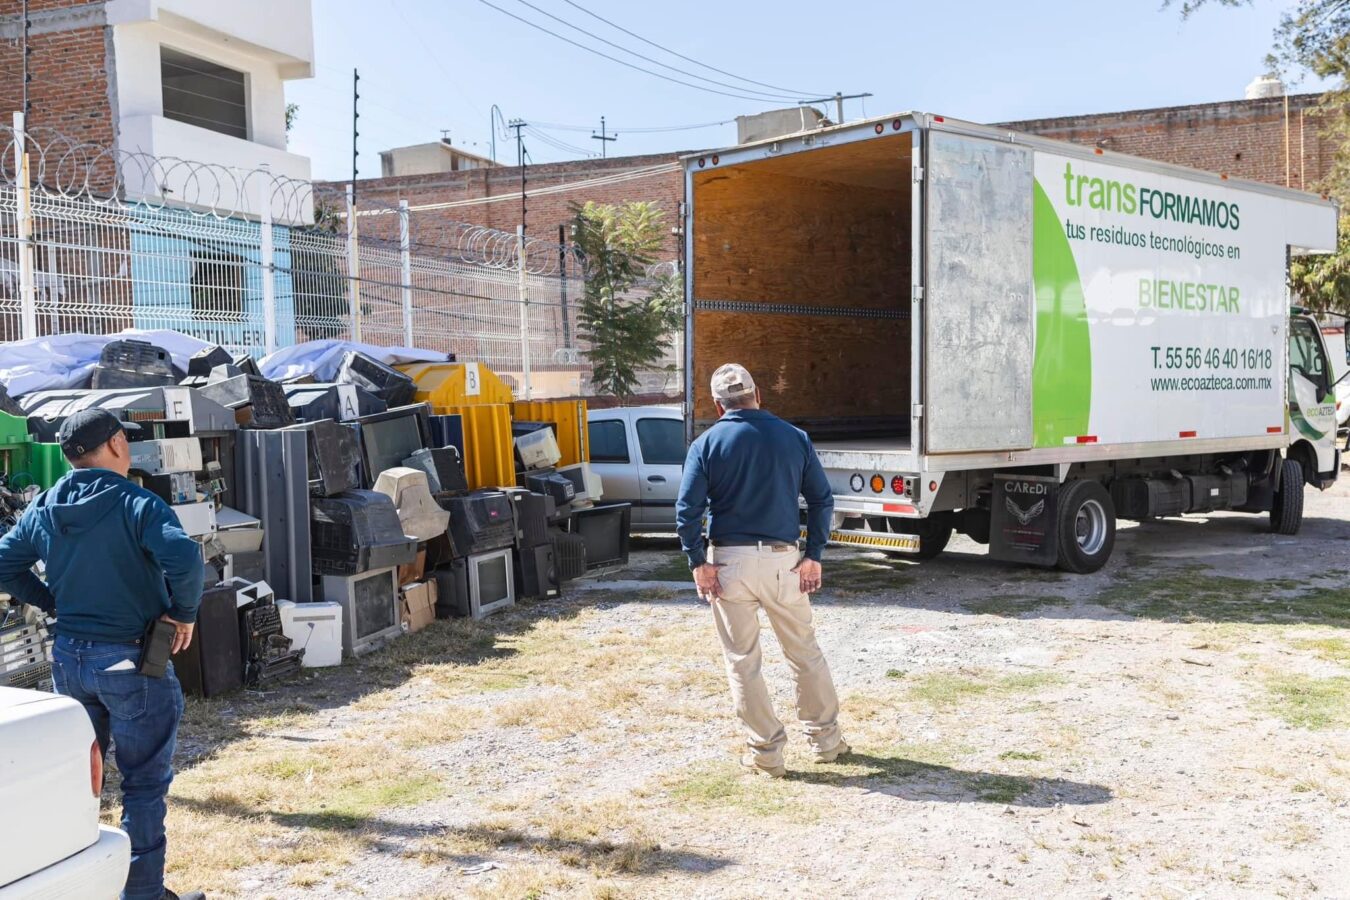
(1014, 338)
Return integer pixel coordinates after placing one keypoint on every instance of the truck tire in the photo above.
(1286, 513)
(934, 532)
(1087, 527)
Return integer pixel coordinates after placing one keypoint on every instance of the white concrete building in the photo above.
(204, 81)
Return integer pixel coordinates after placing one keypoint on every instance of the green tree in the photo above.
(1314, 37)
(628, 329)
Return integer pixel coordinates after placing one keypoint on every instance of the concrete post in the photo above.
(405, 257)
(524, 313)
(24, 221)
(269, 279)
(353, 265)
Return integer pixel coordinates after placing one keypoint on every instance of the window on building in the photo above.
(217, 286)
(203, 93)
(608, 443)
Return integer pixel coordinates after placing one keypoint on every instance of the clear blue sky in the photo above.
(428, 65)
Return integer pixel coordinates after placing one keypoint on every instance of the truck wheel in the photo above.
(1286, 513)
(1087, 527)
(934, 532)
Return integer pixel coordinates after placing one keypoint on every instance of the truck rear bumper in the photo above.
(873, 540)
(97, 872)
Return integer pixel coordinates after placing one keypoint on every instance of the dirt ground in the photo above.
(1177, 725)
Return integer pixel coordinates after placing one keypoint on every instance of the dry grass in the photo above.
(308, 808)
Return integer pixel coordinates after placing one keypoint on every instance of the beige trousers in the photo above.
(753, 579)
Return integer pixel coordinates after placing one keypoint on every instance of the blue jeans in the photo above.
(140, 714)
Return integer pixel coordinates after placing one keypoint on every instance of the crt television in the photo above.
(390, 437)
(491, 582)
(604, 528)
(370, 608)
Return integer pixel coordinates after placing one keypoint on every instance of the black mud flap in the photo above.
(1024, 520)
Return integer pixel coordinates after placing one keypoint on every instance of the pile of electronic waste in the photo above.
(333, 516)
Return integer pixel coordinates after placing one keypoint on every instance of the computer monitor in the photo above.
(605, 530)
(390, 437)
(491, 582)
(587, 485)
(370, 608)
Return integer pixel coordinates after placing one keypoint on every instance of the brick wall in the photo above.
(1243, 138)
(69, 91)
(544, 213)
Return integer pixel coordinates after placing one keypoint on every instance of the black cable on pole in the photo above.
(683, 57)
(697, 87)
(27, 52)
(623, 49)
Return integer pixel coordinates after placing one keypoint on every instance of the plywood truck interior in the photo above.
(802, 275)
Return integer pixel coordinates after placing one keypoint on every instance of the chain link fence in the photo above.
(79, 253)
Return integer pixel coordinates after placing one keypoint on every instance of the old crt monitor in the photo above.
(370, 608)
(390, 437)
(605, 530)
(536, 445)
(491, 582)
(586, 484)
(551, 484)
(483, 520)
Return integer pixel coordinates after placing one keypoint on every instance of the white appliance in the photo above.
(197, 519)
(167, 455)
(492, 583)
(315, 628)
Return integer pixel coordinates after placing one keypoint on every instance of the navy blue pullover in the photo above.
(109, 547)
(750, 467)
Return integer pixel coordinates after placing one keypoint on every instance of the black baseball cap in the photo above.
(86, 431)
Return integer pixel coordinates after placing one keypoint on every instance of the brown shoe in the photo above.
(829, 756)
(749, 761)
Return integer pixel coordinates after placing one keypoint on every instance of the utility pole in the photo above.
(356, 95)
(838, 100)
(27, 52)
(494, 116)
(518, 125)
(604, 141)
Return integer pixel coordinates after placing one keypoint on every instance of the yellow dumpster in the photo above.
(446, 385)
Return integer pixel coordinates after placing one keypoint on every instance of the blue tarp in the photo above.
(322, 358)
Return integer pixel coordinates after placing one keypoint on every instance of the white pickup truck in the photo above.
(51, 774)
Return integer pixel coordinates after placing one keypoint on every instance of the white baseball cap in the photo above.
(732, 381)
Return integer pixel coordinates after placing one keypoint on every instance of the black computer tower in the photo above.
(536, 572)
(213, 663)
(531, 518)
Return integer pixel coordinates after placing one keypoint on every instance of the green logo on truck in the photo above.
(1061, 377)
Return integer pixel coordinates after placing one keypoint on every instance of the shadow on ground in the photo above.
(475, 844)
(909, 779)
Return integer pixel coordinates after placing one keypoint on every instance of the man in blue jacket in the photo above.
(116, 559)
(747, 472)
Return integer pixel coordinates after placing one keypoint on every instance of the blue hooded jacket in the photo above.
(109, 546)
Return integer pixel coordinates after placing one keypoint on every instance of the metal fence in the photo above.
(74, 259)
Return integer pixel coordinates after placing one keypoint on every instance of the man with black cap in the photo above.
(116, 559)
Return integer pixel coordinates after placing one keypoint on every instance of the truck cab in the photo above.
(1312, 403)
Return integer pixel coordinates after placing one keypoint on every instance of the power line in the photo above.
(657, 62)
(682, 56)
(697, 87)
(557, 144)
(652, 129)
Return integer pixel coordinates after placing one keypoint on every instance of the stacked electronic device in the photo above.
(334, 516)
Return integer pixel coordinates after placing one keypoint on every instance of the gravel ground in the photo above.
(1177, 725)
